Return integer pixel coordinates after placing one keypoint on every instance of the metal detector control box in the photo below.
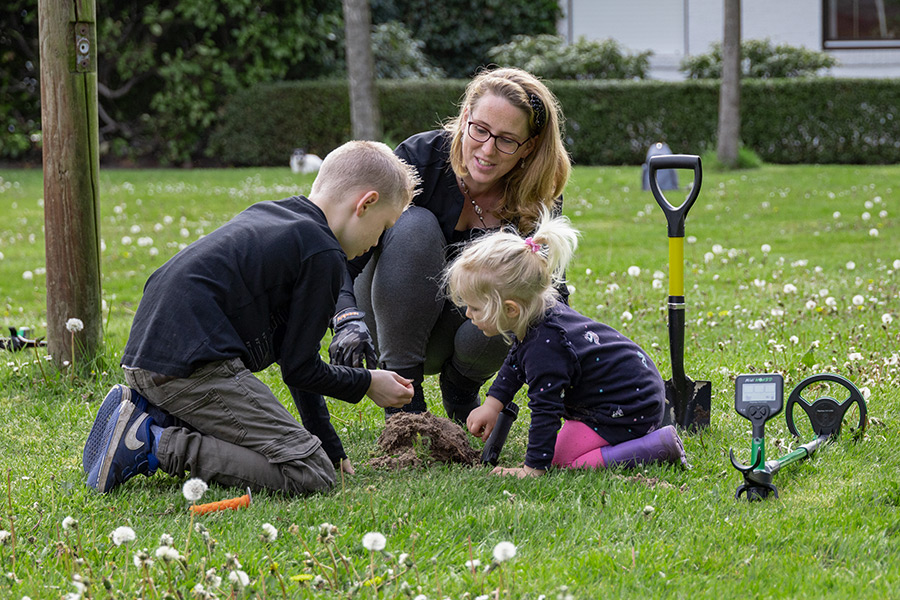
(759, 397)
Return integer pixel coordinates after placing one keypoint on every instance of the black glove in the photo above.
(352, 342)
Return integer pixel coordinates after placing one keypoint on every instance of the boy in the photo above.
(259, 290)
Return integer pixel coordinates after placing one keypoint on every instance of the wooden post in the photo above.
(68, 45)
(365, 118)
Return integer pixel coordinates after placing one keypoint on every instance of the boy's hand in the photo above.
(346, 467)
(481, 420)
(520, 472)
(352, 343)
(389, 389)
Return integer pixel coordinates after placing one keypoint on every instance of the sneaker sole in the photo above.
(92, 448)
(126, 409)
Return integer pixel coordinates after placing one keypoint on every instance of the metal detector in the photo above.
(759, 398)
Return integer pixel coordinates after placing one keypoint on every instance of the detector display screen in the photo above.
(759, 392)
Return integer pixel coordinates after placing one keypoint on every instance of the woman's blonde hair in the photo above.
(546, 170)
(502, 266)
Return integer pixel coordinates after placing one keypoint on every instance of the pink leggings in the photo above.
(579, 446)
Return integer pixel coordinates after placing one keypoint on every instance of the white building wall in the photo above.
(673, 29)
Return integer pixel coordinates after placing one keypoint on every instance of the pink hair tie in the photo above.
(533, 245)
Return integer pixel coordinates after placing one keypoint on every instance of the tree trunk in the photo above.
(364, 115)
(729, 134)
(67, 35)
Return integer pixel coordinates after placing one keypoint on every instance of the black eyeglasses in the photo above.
(503, 144)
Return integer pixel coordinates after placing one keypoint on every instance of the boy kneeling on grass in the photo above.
(260, 289)
(603, 384)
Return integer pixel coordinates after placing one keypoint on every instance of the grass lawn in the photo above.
(794, 270)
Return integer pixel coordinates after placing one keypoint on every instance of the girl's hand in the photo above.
(481, 420)
(520, 472)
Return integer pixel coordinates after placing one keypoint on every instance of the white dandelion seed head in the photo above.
(691, 239)
(401, 560)
(627, 316)
(718, 249)
(167, 554)
(121, 535)
(27, 275)
(858, 300)
(69, 523)
(866, 216)
(850, 265)
(239, 578)
(790, 288)
(896, 264)
(657, 284)
(473, 564)
(166, 540)
(74, 325)
(649, 510)
(126, 240)
(194, 489)
(269, 532)
(765, 248)
(830, 301)
(374, 541)
(794, 340)
(504, 551)
(634, 270)
(887, 319)
(4, 536)
(836, 214)
(865, 392)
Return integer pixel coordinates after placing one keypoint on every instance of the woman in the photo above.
(496, 164)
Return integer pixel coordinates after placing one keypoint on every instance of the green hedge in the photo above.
(820, 120)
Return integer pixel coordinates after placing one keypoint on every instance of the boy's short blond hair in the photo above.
(361, 164)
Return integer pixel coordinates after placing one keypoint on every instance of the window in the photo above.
(862, 24)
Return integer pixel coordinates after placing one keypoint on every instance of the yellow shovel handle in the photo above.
(676, 266)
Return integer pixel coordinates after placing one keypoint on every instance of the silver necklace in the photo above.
(478, 210)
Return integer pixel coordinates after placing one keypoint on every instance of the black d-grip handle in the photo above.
(675, 215)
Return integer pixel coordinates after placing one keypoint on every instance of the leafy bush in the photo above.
(398, 55)
(760, 59)
(457, 34)
(550, 57)
(821, 120)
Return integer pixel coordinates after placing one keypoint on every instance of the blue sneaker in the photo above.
(119, 445)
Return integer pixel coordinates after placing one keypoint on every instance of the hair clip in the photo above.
(533, 245)
(540, 113)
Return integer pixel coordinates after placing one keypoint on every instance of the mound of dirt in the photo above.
(416, 440)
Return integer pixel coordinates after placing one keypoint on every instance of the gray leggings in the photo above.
(414, 325)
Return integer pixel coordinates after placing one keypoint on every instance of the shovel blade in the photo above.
(688, 404)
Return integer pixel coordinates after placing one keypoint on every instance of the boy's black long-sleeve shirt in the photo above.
(261, 288)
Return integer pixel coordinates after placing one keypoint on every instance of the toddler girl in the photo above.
(607, 389)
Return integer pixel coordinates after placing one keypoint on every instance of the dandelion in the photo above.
(634, 270)
(126, 240)
(27, 275)
(836, 214)
(887, 319)
(504, 551)
(854, 356)
(123, 534)
(167, 554)
(5, 536)
(850, 265)
(865, 392)
(473, 564)
(830, 301)
(142, 559)
(194, 489)
(896, 264)
(657, 284)
(858, 300)
(74, 325)
(810, 304)
(69, 523)
(627, 316)
(270, 534)
(873, 232)
(166, 540)
(374, 541)
(239, 578)
(866, 216)
(765, 248)
(794, 340)
(790, 288)
(649, 510)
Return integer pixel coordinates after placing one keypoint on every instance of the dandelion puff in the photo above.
(836, 214)
(649, 510)
(71, 523)
(634, 270)
(790, 288)
(123, 534)
(270, 534)
(896, 264)
(855, 356)
(27, 275)
(239, 578)
(794, 339)
(765, 248)
(830, 301)
(850, 265)
(142, 559)
(194, 489)
(810, 304)
(167, 554)
(74, 325)
(858, 300)
(627, 316)
(4, 536)
(504, 551)
(166, 540)
(473, 564)
(374, 541)
(887, 319)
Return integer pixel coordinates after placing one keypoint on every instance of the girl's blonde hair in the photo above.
(502, 266)
(546, 170)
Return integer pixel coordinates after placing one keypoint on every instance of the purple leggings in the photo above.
(579, 446)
